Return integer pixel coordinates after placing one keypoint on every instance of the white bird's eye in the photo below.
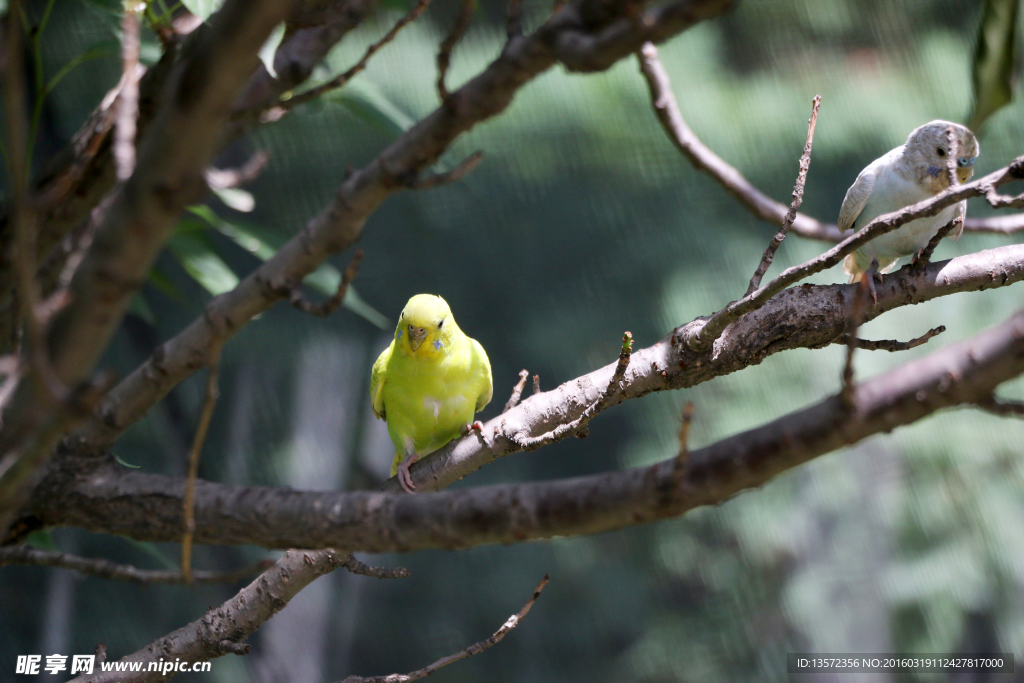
(941, 152)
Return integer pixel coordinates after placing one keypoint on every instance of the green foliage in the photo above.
(994, 59)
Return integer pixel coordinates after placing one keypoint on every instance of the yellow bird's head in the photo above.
(426, 327)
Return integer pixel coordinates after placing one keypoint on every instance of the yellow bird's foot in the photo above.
(477, 427)
(404, 476)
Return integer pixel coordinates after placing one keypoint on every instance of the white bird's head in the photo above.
(928, 150)
(426, 326)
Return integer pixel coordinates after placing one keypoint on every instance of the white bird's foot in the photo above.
(872, 274)
(477, 427)
(404, 476)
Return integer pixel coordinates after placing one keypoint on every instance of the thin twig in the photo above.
(101, 653)
(951, 155)
(473, 649)
(891, 344)
(922, 259)
(683, 457)
(998, 201)
(209, 402)
(704, 336)
(340, 80)
(1001, 406)
(226, 178)
(514, 26)
(324, 309)
(860, 297)
(517, 391)
(444, 55)
(536, 384)
(579, 425)
(128, 102)
(436, 179)
(704, 159)
(27, 555)
(798, 198)
(356, 567)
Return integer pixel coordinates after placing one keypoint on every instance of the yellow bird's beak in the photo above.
(416, 336)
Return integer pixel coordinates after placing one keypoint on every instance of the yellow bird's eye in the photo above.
(440, 324)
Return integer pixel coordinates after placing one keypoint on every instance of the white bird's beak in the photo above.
(416, 336)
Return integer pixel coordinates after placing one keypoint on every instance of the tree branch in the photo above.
(143, 210)
(892, 345)
(27, 555)
(960, 374)
(1002, 407)
(474, 649)
(798, 198)
(706, 335)
(340, 224)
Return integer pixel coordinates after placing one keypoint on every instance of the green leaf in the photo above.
(126, 464)
(994, 59)
(140, 308)
(366, 101)
(269, 49)
(263, 244)
(199, 260)
(42, 540)
(239, 200)
(202, 8)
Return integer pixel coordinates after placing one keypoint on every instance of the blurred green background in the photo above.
(581, 222)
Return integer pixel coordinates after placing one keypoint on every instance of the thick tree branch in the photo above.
(109, 499)
(221, 630)
(27, 555)
(340, 224)
(168, 177)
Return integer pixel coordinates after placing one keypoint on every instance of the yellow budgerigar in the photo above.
(428, 383)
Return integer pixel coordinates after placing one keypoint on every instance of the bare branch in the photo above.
(340, 223)
(1002, 225)
(324, 309)
(1003, 407)
(892, 345)
(457, 173)
(340, 80)
(998, 201)
(579, 425)
(860, 298)
(960, 374)
(224, 178)
(223, 629)
(798, 198)
(188, 505)
(706, 335)
(517, 391)
(514, 25)
(444, 55)
(474, 649)
(27, 555)
(143, 211)
(704, 159)
(356, 567)
(128, 102)
(925, 256)
(536, 384)
(683, 457)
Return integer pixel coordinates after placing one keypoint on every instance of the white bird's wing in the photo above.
(857, 197)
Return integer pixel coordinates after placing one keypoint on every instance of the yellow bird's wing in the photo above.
(377, 377)
(856, 198)
(482, 368)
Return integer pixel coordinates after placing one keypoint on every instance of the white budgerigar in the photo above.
(913, 172)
